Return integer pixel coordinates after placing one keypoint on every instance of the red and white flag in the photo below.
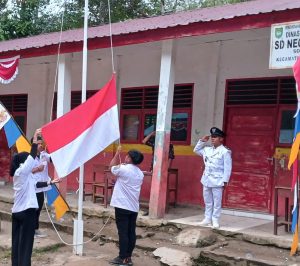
(8, 69)
(79, 135)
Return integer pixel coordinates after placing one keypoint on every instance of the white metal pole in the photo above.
(78, 224)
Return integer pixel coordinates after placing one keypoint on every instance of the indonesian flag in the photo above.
(79, 135)
(8, 69)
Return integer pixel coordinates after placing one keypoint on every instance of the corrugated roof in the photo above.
(154, 23)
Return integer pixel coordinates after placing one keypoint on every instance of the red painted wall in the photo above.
(190, 171)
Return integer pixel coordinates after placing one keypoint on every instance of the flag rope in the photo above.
(58, 234)
(58, 56)
(112, 64)
(110, 37)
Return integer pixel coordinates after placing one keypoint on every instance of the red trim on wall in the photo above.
(194, 29)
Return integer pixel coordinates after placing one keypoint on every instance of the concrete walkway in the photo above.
(257, 226)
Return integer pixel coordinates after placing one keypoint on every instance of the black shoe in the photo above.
(121, 262)
(116, 261)
(129, 261)
(125, 262)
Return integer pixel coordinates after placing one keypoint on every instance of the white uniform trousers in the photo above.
(213, 203)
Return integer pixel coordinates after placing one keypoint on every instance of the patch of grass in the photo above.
(48, 249)
(5, 254)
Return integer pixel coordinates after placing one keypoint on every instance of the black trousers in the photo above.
(126, 224)
(40, 198)
(23, 224)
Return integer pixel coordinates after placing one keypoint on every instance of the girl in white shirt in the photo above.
(25, 204)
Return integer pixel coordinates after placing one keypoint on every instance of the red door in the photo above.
(250, 136)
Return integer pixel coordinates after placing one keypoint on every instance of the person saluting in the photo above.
(216, 175)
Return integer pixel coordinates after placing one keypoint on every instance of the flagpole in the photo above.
(78, 224)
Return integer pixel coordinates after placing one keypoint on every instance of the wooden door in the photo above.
(250, 136)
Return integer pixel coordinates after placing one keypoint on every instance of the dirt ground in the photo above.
(50, 251)
(97, 252)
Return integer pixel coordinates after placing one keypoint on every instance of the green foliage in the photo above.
(210, 3)
(21, 18)
(120, 10)
(170, 6)
(3, 18)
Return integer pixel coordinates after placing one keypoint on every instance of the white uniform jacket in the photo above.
(218, 164)
(24, 187)
(43, 176)
(127, 188)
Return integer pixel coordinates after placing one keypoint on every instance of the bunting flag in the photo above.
(79, 135)
(293, 160)
(9, 69)
(55, 198)
(296, 70)
(295, 242)
(296, 142)
(13, 133)
(295, 219)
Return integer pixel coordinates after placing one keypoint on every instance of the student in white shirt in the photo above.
(40, 172)
(125, 199)
(25, 204)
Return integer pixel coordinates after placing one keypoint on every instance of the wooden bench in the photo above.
(172, 186)
(102, 189)
(284, 192)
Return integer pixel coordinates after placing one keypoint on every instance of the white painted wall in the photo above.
(32, 80)
(205, 61)
(244, 58)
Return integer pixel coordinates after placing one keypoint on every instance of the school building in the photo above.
(219, 68)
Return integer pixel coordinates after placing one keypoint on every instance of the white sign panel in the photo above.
(285, 45)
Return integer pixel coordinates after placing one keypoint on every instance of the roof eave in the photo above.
(194, 29)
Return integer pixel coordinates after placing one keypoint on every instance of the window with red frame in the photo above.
(17, 107)
(139, 108)
(75, 100)
(278, 91)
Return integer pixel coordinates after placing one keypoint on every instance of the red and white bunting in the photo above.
(9, 69)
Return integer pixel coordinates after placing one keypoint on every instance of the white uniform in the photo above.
(218, 165)
(24, 187)
(42, 176)
(127, 189)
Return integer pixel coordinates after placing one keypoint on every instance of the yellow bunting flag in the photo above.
(294, 150)
(22, 144)
(295, 242)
